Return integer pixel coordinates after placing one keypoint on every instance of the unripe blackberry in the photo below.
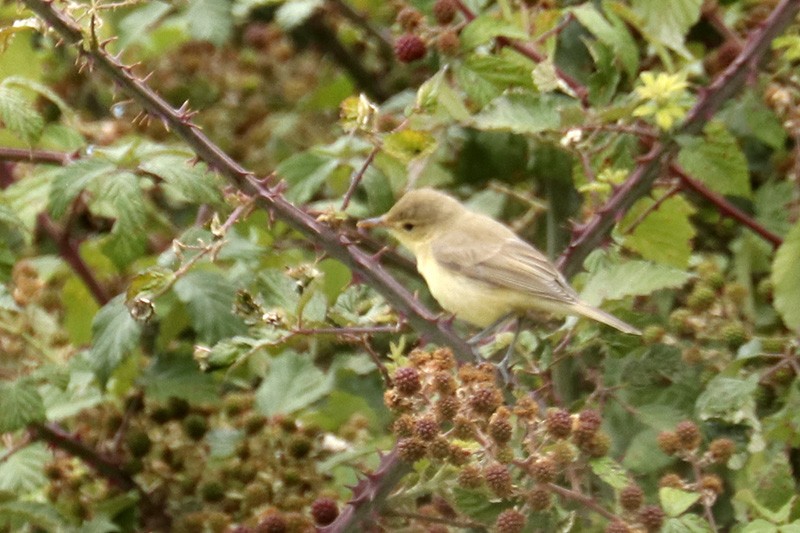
(444, 11)
(324, 511)
(773, 344)
(631, 497)
(721, 450)
(403, 426)
(526, 408)
(680, 322)
(734, 334)
(300, 446)
(538, 498)
(668, 442)
(444, 383)
(764, 289)
(701, 298)
(504, 455)
(671, 480)
(448, 43)
(712, 483)
(443, 359)
(420, 358)
(653, 334)
(463, 428)
(692, 355)
(396, 402)
(617, 526)
(500, 429)
(139, 443)
(409, 47)
(543, 470)
(564, 453)
(485, 400)
(459, 456)
(409, 18)
(178, 408)
(688, 435)
(212, 491)
(597, 446)
(406, 381)
(589, 422)
(439, 448)
(498, 479)
(426, 428)
(411, 449)
(558, 423)
(195, 426)
(651, 517)
(447, 408)
(256, 494)
(510, 521)
(254, 422)
(736, 293)
(470, 477)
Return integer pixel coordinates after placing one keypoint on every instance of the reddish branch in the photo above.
(650, 167)
(724, 206)
(20, 155)
(532, 53)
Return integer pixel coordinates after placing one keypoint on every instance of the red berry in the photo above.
(324, 511)
(409, 47)
(445, 11)
(406, 381)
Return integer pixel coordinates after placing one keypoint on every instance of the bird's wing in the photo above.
(506, 261)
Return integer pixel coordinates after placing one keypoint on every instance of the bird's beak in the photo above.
(377, 222)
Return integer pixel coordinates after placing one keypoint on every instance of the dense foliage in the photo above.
(187, 344)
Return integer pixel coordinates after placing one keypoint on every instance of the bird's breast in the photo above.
(467, 298)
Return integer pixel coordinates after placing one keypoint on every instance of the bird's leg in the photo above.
(503, 367)
(482, 334)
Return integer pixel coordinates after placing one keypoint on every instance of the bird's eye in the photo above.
(408, 226)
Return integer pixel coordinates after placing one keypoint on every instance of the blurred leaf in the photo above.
(477, 504)
(784, 426)
(179, 376)
(23, 471)
(192, 182)
(20, 404)
(305, 173)
(717, 160)
(485, 27)
(768, 483)
(42, 515)
(222, 442)
(642, 456)
(336, 278)
(665, 234)
(210, 20)
(786, 279)
(611, 31)
(485, 77)
(134, 26)
(771, 202)
(408, 144)
(732, 400)
(115, 334)
(8, 217)
(610, 471)
(292, 383)
(291, 14)
(751, 117)
(519, 112)
(669, 22)
(70, 180)
(19, 116)
(688, 523)
(209, 298)
(79, 393)
(632, 278)
(148, 282)
(675, 502)
(79, 308)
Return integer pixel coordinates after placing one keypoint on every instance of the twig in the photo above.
(384, 44)
(581, 93)
(724, 206)
(438, 520)
(68, 250)
(357, 177)
(706, 504)
(724, 86)
(654, 207)
(555, 30)
(21, 445)
(47, 157)
(582, 499)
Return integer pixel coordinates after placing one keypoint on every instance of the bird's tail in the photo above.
(601, 316)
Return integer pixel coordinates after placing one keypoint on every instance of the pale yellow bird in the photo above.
(477, 268)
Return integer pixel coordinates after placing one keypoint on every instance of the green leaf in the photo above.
(292, 383)
(23, 471)
(291, 14)
(128, 239)
(115, 334)
(665, 234)
(336, 278)
(769, 483)
(520, 112)
(209, 298)
(632, 278)
(760, 525)
(675, 502)
(689, 523)
(784, 426)
(8, 216)
(668, 22)
(477, 504)
(771, 205)
(210, 20)
(750, 116)
(193, 183)
(42, 515)
(135, 26)
(611, 31)
(222, 442)
(717, 160)
(19, 116)
(179, 376)
(74, 178)
(485, 27)
(610, 471)
(305, 173)
(786, 279)
(485, 77)
(20, 404)
(408, 144)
